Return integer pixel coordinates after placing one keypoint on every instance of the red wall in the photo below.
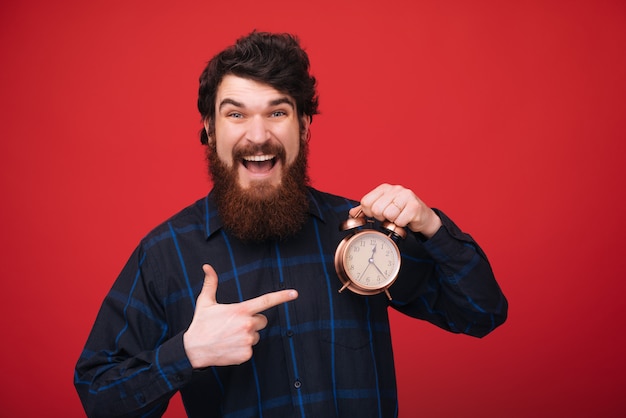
(510, 116)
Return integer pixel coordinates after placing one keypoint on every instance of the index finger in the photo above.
(373, 195)
(269, 300)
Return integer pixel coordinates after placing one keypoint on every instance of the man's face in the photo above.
(258, 161)
(257, 131)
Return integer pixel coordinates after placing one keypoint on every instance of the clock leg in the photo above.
(345, 286)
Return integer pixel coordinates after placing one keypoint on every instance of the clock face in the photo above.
(371, 260)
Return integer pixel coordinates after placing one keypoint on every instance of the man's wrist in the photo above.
(432, 227)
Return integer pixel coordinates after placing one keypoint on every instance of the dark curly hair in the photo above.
(276, 59)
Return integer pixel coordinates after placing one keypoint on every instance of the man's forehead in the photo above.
(242, 92)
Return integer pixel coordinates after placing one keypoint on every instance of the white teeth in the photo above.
(258, 157)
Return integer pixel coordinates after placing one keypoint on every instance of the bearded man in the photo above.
(235, 300)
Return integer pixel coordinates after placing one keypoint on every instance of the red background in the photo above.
(510, 116)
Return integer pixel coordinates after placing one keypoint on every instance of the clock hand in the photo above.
(368, 266)
(371, 259)
(371, 262)
(376, 267)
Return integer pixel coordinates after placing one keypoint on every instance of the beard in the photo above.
(262, 211)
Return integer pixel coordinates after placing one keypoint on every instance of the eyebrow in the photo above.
(274, 102)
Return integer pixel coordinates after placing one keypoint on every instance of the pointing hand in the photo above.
(223, 334)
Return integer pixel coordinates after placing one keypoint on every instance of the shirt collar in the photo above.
(213, 223)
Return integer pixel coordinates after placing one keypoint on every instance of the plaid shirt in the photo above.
(326, 354)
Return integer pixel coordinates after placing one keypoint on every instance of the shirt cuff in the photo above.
(448, 242)
(173, 362)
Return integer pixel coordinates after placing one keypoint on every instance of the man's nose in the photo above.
(258, 131)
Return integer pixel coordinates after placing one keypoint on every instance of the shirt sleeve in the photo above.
(459, 291)
(131, 365)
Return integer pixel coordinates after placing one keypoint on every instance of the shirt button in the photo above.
(282, 285)
(297, 384)
(289, 333)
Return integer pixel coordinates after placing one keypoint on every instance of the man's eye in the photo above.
(235, 115)
(278, 113)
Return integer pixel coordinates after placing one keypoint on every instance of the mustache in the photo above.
(255, 149)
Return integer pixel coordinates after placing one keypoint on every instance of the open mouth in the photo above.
(259, 163)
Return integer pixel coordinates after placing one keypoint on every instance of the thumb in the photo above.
(209, 286)
(355, 211)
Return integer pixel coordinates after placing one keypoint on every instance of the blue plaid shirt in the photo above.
(326, 354)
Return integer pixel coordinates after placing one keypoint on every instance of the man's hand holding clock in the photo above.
(400, 206)
(396, 207)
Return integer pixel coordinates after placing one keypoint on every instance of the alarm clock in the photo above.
(368, 260)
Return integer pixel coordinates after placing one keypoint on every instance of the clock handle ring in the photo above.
(353, 222)
(394, 229)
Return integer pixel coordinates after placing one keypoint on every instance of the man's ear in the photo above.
(207, 123)
(306, 124)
